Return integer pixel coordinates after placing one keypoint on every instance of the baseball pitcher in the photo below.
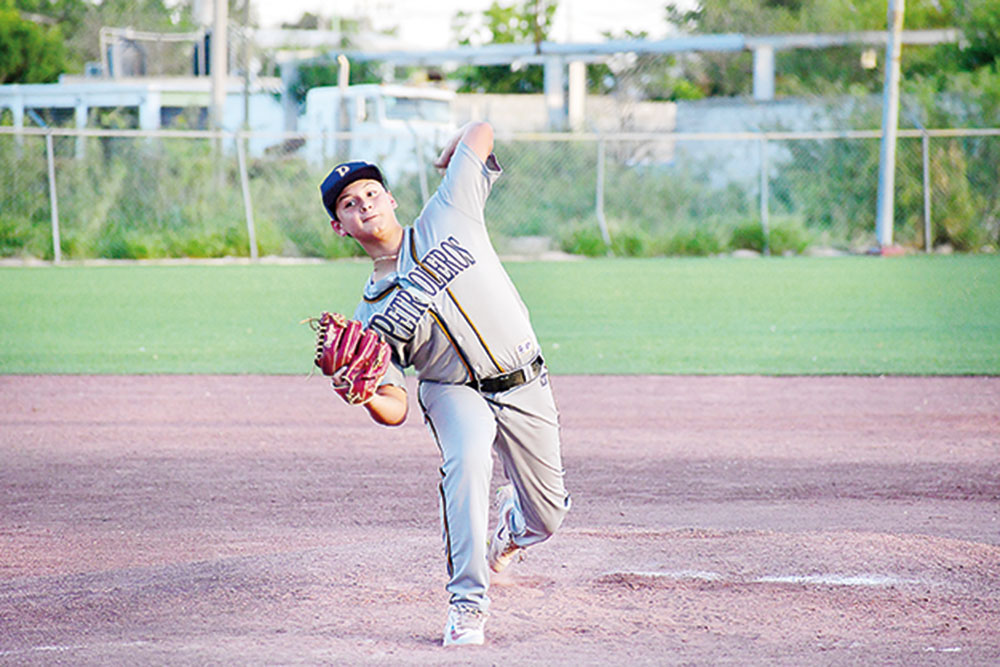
(439, 301)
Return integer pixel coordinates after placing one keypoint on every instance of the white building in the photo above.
(157, 103)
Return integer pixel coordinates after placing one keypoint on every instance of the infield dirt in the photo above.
(739, 520)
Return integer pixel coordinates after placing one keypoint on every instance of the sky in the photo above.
(426, 24)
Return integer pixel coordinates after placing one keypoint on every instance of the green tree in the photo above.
(804, 71)
(528, 22)
(29, 52)
(641, 76)
(67, 14)
(147, 15)
(326, 71)
(979, 21)
(79, 22)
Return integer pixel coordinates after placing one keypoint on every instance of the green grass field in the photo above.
(849, 315)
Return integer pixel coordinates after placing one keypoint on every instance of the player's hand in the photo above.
(444, 158)
(337, 379)
(477, 135)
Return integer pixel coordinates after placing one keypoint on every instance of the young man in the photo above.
(443, 302)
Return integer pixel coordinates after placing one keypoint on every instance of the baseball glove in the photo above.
(354, 357)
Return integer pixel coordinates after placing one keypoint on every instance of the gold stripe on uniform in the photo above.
(413, 252)
(476, 331)
(458, 350)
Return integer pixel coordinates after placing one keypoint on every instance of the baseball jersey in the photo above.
(450, 310)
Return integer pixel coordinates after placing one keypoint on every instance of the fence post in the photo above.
(885, 218)
(245, 186)
(765, 195)
(53, 199)
(599, 195)
(925, 142)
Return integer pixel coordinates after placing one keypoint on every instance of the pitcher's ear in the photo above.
(338, 228)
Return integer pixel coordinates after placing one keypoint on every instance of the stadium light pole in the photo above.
(890, 122)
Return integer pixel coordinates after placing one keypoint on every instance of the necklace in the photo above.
(382, 258)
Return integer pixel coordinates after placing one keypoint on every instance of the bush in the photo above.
(21, 237)
(584, 241)
(630, 243)
(697, 241)
(787, 235)
(748, 236)
(587, 240)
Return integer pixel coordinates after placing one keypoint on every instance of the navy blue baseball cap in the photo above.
(342, 176)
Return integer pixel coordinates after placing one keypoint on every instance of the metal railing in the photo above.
(90, 193)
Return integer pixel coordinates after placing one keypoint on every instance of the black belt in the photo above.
(510, 380)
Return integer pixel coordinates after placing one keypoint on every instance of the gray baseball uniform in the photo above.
(452, 313)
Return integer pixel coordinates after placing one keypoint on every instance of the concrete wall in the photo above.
(724, 161)
(528, 113)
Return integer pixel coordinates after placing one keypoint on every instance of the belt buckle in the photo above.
(515, 379)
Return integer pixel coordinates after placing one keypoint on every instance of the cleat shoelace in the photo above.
(468, 618)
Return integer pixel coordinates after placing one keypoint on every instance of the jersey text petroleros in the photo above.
(434, 271)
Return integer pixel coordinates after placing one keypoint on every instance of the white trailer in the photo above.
(401, 128)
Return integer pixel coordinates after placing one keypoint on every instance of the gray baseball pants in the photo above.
(522, 426)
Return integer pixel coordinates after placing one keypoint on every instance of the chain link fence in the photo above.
(81, 194)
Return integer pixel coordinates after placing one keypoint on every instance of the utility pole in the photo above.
(890, 122)
(220, 52)
(246, 64)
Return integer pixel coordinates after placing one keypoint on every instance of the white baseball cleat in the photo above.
(502, 548)
(465, 625)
